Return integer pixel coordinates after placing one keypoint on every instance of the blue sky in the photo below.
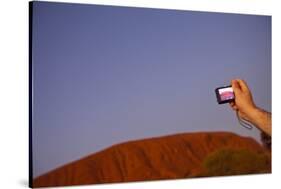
(104, 75)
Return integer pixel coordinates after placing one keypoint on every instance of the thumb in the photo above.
(243, 85)
(235, 86)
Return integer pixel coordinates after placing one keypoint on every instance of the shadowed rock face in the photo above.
(166, 157)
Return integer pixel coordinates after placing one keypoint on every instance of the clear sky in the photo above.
(104, 75)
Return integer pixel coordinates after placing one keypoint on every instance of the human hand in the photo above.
(243, 102)
(246, 108)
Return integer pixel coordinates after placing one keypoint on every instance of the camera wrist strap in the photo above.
(243, 122)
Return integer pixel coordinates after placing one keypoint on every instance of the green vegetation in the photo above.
(236, 162)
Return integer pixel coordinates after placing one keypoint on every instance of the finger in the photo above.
(233, 106)
(243, 85)
(231, 103)
(235, 86)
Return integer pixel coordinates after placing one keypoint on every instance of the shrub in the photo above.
(236, 162)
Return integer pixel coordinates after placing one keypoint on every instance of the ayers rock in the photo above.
(166, 157)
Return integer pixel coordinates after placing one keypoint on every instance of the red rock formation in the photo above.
(166, 157)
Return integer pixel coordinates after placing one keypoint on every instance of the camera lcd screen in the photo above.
(224, 94)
